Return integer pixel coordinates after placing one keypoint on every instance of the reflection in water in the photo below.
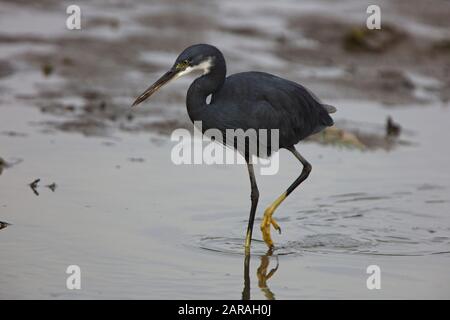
(246, 290)
(262, 275)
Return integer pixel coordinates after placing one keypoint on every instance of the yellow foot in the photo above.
(268, 220)
(265, 227)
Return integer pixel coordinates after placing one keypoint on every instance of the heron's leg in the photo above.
(254, 198)
(267, 219)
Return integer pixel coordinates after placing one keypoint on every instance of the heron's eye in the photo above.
(183, 64)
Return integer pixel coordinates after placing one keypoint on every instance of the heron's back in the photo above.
(258, 100)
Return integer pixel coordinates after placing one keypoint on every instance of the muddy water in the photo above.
(151, 229)
(141, 227)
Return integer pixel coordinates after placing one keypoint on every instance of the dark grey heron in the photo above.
(248, 100)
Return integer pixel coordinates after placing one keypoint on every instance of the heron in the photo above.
(248, 100)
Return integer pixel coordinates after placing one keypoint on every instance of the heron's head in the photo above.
(199, 57)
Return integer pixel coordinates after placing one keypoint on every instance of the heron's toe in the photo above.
(275, 225)
(265, 228)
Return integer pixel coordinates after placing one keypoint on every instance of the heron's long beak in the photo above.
(169, 75)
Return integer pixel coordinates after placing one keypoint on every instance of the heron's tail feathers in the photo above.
(330, 109)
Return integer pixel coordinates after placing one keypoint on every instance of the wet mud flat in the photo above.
(319, 44)
(85, 180)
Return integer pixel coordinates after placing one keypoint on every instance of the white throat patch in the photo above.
(205, 66)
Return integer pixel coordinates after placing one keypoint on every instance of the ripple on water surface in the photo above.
(356, 223)
(320, 243)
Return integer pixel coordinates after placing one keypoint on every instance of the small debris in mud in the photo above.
(86, 126)
(110, 22)
(351, 135)
(337, 136)
(47, 69)
(162, 127)
(442, 46)
(67, 61)
(52, 186)
(57, 108)
(3, 165)
(13, 134)
(395, 80)
(4, 225)
(33, 185)
(8, 164)
(136, 159)
(245, 31)
(359, 39)
(6, 69)
(392, 129)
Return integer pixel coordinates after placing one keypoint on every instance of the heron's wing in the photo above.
(263, 101)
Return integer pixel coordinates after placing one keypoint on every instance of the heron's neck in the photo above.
(202, 87)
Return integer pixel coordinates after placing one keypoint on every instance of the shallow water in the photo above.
(141, 227)
(150, 229)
